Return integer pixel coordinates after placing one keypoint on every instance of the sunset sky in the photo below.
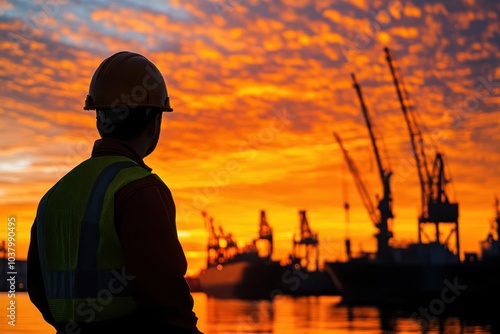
(258, 88)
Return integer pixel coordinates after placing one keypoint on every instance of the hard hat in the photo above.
(127, 80)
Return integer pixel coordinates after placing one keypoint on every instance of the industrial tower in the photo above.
(305, 251)
(265, 234)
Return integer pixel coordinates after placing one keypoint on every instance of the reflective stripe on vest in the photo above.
(86, 282)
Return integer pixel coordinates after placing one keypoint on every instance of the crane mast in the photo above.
(213, 246)
(266, 234)
(221, 246)
(435, 205)
(305, 248)
(213, 237)
(385, 203)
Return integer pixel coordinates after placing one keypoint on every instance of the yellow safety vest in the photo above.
(80, 252)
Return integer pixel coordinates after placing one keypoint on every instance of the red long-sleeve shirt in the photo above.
(146, 224)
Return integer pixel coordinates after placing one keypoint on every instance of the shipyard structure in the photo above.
(430, 269)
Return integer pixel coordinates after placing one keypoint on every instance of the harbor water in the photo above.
(285, 314)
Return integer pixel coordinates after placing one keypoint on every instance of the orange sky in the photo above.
(258, 88)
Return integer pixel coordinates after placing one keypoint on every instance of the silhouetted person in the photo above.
(104, 255)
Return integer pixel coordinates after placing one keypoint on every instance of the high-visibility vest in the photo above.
(80, 253)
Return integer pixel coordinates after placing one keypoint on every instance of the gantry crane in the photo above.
(230, 241)
(436, 207)
(221, 246)
(266, 234)
(306, 245)
(213, 245)
(384, 205)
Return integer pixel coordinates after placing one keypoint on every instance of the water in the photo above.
(284, 315)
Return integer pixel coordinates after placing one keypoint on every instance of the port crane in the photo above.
(230, 241)
(373, 211)
(384, 205)
(436, 208)
(305, 250)
(381, 214)
(221, 246)
(214, 251)
(266, 234)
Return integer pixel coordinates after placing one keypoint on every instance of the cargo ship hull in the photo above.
(302, 282)
(383, 284)
(242, 280)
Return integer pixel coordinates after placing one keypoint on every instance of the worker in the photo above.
(104, 254)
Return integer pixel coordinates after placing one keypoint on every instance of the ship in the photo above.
(234, 272)
(303, 275)
(424, 275)
(480, 273)
(428, 274)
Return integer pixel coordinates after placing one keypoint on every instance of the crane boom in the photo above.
(417, 140)
(385, 203)
(213, 237)
(360, 184)
(214, 251)
(366, 114)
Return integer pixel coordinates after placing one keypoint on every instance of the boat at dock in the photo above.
(424, 274)
(240, 273)
(303, 275)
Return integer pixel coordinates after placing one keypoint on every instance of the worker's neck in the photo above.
(140, 145)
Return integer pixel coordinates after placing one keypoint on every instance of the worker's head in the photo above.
(129, 96)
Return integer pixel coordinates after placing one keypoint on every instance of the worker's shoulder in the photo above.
(149, 188)
(149, 183)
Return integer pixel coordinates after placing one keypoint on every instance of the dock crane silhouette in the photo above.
(384, 205)
(436, 207)
(266, 234)
(221, 246)
(380, 214)
(305, 251)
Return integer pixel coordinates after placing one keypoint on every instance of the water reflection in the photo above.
(327, 315)
(303, 315)
(403, 320)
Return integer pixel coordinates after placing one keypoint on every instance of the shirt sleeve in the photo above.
(145, 214)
